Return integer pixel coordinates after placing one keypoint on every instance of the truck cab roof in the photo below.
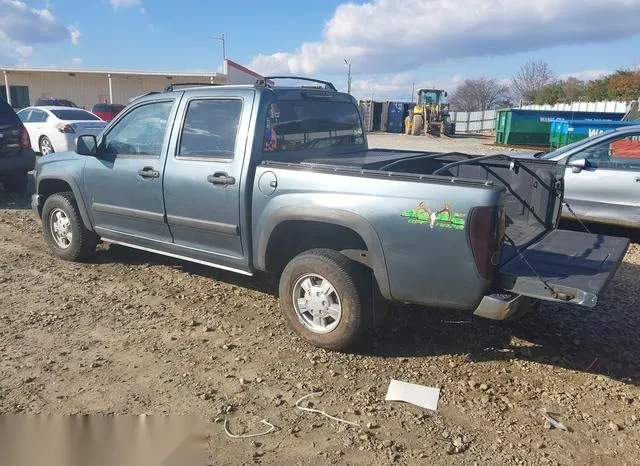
(322, 90)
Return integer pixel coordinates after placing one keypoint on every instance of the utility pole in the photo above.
(224, 45)
(348, 76)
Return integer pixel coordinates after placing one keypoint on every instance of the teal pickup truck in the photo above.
(280, 179)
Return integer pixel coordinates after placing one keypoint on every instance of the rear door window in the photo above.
(38, 116)
(210, 128)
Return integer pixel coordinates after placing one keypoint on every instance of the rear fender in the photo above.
(343, 218)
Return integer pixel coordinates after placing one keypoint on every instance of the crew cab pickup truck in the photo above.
(279, 179)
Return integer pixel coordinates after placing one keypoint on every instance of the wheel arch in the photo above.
(291, 230)
(52, 185)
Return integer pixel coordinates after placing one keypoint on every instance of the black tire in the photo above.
(45, 144)
(83, 242)
(351, 284)
(417, 125)
(16, 183)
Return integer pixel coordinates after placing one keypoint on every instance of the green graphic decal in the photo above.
(443, 218)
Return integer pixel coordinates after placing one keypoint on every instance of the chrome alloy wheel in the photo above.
(317, 303)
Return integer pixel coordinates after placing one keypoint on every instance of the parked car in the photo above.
(50, 102)
(55, 129)
(602, 179)
(107, 111)
(226, 176)
(17, 158)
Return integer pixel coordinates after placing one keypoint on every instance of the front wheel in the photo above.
(416, 125)
(63, 229)
(321, 295)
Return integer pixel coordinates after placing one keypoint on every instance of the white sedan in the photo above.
(56, 129)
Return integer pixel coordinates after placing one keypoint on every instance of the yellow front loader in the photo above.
(430, 115)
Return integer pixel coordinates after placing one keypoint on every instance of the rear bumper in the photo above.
(22, 163)
(565, 266)
(499, 306)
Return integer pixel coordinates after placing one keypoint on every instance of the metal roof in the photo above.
(207, 74)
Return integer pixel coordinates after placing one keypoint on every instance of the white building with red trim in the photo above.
(23, 86)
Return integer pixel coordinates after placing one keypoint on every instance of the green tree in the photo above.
(624, 85)
(574, 89)
(598, 89)
(549, 94)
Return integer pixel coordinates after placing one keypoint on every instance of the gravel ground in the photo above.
(133, 333)
(471, 144)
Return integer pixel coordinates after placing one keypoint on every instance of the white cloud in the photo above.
(76, 61)
(22, 27)
(124, 3)
(397, 35)
(401, 86)
(24, 50)
(74, 32)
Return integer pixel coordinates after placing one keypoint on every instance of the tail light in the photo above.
(25, 141)
(485, 235)
(65, 128)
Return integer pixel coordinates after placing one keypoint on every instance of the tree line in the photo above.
(535, 83)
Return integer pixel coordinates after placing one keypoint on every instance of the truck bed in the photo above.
(532, 201)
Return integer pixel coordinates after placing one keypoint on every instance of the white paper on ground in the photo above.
(419, 395)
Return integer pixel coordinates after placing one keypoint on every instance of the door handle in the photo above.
(149, 172)
(637, 179)
(221, 179)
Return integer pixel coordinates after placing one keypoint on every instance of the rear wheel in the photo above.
(46, 147)
(64, 230)
(322, 294)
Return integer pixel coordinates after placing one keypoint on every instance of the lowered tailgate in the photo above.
(565, 266)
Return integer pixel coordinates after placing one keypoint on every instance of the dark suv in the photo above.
(16, 156)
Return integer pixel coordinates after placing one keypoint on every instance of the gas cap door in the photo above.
(268, 183)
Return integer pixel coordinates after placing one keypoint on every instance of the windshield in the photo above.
(74, 115)
(429, 97)
(293, 125)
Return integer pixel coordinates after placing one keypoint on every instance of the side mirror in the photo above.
(86, 145)
(577, 165)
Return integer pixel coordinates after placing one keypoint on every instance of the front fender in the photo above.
(339, 217)
(77, 194)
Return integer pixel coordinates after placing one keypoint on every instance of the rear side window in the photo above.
(38, 116)
(7, 114)
(74, 115)
(210, 128)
